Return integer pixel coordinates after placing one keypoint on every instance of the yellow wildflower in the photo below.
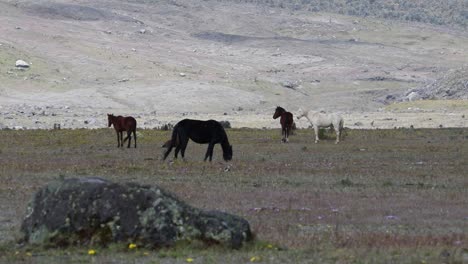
(189, 260)
(269, 246)
(28, 254)
(255, 259)
(132, 246)
(91, 252)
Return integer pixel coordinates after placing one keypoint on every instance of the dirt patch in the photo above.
(221, 37)
(72, 12)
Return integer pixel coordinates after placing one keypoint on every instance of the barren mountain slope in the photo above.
(161, 60)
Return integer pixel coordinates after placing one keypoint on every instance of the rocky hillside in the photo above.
(236, 60)
(453, 85)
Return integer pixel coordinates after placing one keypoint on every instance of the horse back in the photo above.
(324, 120)
(127, 123)
(201, 131)
(130, 123)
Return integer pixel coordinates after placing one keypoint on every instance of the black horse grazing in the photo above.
(203, 132)
(122, 124)
(286, 121)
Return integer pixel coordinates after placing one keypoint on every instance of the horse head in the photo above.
(301, 113)
(279, 110)
(109, 119)
(227, 153)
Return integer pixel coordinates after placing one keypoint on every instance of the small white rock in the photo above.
(22, 64)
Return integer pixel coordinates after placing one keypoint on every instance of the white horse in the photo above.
(323, 120)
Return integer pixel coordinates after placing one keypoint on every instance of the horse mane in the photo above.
(280, 108)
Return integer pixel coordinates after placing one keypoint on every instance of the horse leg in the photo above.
(338, 133)
(282, 134)
(129, 137)
(118, 139)
(183, 146)
(209, 151)
(316, 130)
(176, 151)
(286, 132)
(180, 148)
(171, 145)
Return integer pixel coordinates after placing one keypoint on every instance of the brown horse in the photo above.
(122, 124)
(286, 121)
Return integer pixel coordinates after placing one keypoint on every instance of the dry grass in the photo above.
(430, 105)
(379, 196)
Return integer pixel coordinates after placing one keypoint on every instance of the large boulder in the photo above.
(83, 211)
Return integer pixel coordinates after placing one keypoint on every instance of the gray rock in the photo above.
(413, 96)
(358, 124)
(290, 85)
(83, 211)
(21, 64)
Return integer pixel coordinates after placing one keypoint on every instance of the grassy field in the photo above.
(430, 105)
(380, 196)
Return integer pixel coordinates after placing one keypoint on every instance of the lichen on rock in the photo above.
(83, 211)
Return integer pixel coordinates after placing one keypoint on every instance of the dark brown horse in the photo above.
(209, 132)
(286, 121)
(122, 124)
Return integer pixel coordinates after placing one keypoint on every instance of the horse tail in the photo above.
(174, 137)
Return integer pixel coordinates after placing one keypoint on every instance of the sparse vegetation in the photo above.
(440, 105)
(166, 127)
(379, 196)
(428, 11)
